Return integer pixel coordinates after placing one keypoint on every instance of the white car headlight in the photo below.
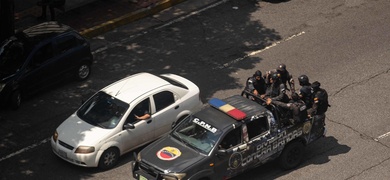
(85, 149)
(55, 136)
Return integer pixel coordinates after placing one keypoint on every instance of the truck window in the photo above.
(233, 138)
(257, 127)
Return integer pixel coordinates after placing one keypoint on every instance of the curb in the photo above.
(128, 18)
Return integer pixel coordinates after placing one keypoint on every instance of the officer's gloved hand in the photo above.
(268, 101)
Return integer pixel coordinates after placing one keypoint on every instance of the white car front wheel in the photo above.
(109, 158)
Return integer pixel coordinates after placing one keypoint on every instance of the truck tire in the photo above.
(292, 155)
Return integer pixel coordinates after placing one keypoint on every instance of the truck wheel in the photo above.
(15, 100)
(109, 158)
(292, 155)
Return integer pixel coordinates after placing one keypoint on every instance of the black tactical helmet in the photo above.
(281, 67)
(316, 85)
(257, 73)
(303, 79)
(275, 76)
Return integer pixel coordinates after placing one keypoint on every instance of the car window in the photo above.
(42, 55)
(140, 109)
(233, 138)
(102, 110)
(257, 127)
(11, 57)
(174, 82)
(66, 43)
(163, 99)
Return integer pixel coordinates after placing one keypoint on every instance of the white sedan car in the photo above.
(106, 125)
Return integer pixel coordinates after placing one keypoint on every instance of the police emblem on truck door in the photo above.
(235, 160)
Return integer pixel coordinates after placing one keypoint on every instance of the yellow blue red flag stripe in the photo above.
(227, 108)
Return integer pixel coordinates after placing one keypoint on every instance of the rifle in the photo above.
(257, 98)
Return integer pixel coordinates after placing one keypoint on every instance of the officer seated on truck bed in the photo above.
(295, 109)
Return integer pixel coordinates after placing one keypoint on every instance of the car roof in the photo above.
(221, 120)
(132, 87)
(42, 31)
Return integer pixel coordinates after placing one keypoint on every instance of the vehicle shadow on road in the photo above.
(319, 152)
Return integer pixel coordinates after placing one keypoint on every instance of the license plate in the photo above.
(142, 177)
(62, 154)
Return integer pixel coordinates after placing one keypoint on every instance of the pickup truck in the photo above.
(224, 139)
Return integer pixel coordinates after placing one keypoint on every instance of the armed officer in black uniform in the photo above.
(286, 77)
(320, 106)
(305, 91)
(276, 90)
(255, 85)
(296, 109)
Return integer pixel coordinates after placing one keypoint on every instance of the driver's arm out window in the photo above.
(138, 110)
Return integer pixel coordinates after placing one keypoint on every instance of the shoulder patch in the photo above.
(315, 100)
(302, 108)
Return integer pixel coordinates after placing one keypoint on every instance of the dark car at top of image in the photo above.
(40, 56)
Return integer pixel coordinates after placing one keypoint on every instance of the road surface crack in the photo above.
(369, 168)
(363, 81)
(362, 135)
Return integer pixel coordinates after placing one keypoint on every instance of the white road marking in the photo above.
(25, 149)
(258, 51)
(382, 136)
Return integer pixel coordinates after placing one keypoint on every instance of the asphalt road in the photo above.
(344, 44)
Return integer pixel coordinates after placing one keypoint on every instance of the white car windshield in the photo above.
(197, 134)
(102, 110)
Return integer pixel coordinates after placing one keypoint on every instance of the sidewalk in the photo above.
(94, 18)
